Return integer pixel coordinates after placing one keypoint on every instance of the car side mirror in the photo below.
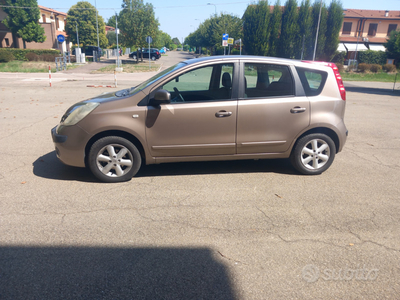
(160, 97)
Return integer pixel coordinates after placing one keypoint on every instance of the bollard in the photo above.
(115, 78)
(50, 75)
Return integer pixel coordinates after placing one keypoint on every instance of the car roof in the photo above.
(254, 58)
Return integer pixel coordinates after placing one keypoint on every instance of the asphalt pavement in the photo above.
(217, 230)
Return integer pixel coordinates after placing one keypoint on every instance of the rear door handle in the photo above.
(223, 114)
(297, 110)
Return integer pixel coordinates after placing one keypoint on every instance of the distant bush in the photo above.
(340, 67)
(375, 68)
(364, 67)
(389, 68)
(32, 56)
(50, 57)
(6, 56)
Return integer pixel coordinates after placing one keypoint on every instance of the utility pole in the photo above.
(316, 37)
(77, 34)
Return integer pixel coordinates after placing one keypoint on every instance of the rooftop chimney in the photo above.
(387, 13)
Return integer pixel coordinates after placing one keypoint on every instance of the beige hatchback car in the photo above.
(209, 109)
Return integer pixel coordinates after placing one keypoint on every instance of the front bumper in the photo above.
(57, 138)
(70, 145)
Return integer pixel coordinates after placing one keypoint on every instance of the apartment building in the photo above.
(53, 23)
(366, 30)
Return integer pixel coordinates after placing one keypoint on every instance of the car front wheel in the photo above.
(114, 159)
(313, 154)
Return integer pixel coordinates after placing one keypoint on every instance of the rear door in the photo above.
(270, 115)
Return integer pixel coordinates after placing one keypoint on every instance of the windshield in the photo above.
(160, 75)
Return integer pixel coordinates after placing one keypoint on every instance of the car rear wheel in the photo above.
(153, 58)
(114, 159)
(134, 57)
(313, 154)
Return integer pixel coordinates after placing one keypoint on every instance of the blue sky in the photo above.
(179, 18)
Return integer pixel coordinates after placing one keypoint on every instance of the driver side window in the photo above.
(203, 84)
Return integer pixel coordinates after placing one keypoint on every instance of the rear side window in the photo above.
(267, 80)
(313, 80)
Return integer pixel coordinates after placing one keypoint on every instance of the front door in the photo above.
(201, 118)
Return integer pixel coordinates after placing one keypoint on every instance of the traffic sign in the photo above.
(224, 43)
(149, 39)
(225, 37)
(230, 41)
(60, 38)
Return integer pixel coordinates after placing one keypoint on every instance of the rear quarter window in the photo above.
(313, 81)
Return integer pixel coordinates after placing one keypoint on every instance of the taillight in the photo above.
(335, 69)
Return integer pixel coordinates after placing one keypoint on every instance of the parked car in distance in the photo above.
(154, 54)
(89, 50)
(210, 109)
(162, 50)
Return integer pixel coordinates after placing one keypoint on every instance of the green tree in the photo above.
(112, 21)
(23, 22)
(305, 26)
(209, 34)
(83, 14)
(289, 30)
(275, 29)
(112, 39)
(137, 21)
(321, 33)
(163, 40)
(176, 41)
(255, 28)
(334, 24)
(393, 46)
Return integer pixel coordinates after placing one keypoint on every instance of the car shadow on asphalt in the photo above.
(49, 166)
(113, 273)
(281, 166)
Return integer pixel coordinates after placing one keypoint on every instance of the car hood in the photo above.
(110, 96)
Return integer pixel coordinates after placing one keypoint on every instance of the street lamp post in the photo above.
(214, 6)
(116, 29)
(316, 36)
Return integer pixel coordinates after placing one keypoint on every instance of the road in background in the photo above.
(216, 230)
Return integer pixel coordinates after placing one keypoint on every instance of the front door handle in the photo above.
(223, 114)
(297, 109)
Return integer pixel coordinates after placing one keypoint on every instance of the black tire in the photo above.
(313, 154)
(114, 159)
(134, 57)
(153, 58)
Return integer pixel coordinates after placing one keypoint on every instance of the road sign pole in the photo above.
(149, 40)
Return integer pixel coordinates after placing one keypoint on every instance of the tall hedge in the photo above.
(20, 54)
(372, 57)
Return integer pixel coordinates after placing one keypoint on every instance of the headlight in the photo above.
(77, 113)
